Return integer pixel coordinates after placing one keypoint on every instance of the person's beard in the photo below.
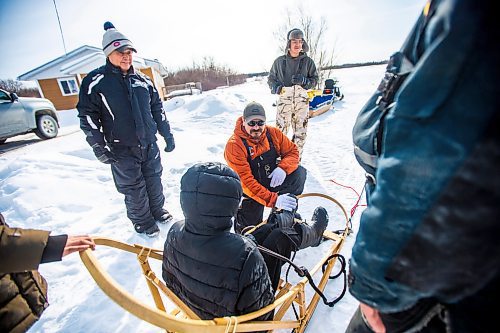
(255, 134)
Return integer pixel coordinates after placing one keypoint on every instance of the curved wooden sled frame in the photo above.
(182, 319)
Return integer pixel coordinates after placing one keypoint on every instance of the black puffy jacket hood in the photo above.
(210, 196)
(215, 272)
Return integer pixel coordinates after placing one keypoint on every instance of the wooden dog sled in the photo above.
(183, 319)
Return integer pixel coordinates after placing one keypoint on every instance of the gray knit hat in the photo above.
(254, 111)
(114, 40)
(296, 34)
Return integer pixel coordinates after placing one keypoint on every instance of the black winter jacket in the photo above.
(215, 272)
(284, 67)
(126, 107)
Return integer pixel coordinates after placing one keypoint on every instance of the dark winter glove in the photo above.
(276, 89)
(170, 144)
(300, 79)
(103, 154)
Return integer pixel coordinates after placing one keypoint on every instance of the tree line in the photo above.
(210, 74)
(18, 88)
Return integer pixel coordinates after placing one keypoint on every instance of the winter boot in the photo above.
(151, 231)
(165, 216)
(313, 233)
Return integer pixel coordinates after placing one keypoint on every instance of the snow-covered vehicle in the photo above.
(21, 115)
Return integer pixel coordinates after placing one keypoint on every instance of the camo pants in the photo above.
(293, 109)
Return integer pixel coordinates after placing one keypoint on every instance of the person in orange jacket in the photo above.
(267, 163)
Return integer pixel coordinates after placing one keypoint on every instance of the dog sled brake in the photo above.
(183, 319)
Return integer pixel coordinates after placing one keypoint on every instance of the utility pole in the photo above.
(60, 28)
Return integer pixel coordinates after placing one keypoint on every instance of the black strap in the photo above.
(302, 271)
(269, 139)
(390, 84)
(420, 37)
(283, 70)
(301, 61)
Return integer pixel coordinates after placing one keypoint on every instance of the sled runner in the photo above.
(181, 318)
(321, 101)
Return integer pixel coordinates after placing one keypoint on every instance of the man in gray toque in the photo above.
(120, 113)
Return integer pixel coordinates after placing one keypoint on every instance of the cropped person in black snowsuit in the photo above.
(218, 273)
(426, 257)
(120, 112)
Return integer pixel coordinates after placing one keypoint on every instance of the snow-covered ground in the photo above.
(59, 185)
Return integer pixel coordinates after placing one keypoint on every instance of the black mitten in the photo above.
(170, 144)
(103, 154)
(276, 89)
(300, 79)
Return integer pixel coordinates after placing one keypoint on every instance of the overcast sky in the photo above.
(238, 34)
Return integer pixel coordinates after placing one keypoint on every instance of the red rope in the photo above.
(356, 205)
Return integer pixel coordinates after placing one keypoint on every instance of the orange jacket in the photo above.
(236, 155)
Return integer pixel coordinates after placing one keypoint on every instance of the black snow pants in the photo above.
(280, 241)
(137, 175)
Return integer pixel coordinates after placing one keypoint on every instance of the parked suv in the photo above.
(21, 115)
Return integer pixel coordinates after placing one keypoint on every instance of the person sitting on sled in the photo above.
(218, 273)
(267, 163)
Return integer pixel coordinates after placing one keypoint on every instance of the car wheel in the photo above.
(2, 141)
(46, 127)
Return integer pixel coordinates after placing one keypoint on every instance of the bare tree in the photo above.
(209, 73)
(314, 30)
(18, 88)
(11, 85)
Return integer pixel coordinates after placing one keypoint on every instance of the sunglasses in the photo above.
(252, 123)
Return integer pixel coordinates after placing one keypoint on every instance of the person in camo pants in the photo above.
(290, 77)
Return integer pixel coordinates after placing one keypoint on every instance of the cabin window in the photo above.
(68, 86)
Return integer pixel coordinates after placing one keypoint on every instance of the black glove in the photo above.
(276, 89)
(103, 154)
(300, 79)
(170, 144)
